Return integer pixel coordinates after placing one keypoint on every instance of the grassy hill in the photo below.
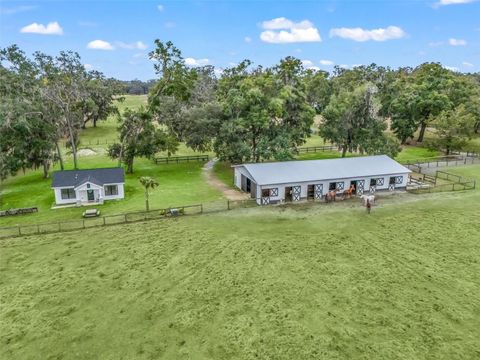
(298, 282)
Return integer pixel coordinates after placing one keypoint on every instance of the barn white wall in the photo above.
(325, 183)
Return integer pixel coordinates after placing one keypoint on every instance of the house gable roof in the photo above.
(75, 178)
(315, 170)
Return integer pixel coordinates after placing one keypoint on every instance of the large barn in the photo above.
(311, 179)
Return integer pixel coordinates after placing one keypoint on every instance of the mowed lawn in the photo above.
(298, 282)
(179, 184)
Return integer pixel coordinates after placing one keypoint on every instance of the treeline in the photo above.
(249, 113)
(44, 100)
(255, 113)
(136, 87)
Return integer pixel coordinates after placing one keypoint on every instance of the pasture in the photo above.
(296, 282)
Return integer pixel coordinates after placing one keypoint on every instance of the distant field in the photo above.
(297, 282)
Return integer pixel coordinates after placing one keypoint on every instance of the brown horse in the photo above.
(349, 192)
(331, 196)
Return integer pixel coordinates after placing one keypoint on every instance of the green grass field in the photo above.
(299, 282)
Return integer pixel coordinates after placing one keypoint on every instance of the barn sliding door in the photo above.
(296, 190)
(318, 191)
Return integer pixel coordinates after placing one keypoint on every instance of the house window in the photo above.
(373, 182)
(392, 180)
(332, 186)
(111, 190)
(68, 194)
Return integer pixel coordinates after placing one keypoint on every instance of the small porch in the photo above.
(89, 194)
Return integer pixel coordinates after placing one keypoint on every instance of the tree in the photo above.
(27, 133)
(453, 129)
(351, 121)
(63, 86)
(317, 89)
(148, 183)
(418, 97)
(101, 94)
(139, 138)
(265, 112)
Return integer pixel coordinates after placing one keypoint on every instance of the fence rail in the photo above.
(445, 161)
(315, 149)
(458, 183)
(178, 159)
(117, 219)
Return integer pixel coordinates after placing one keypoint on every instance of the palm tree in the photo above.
(148, 183)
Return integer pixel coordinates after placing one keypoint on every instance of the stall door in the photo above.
(296, 190)
(318, 191)
(360, 187)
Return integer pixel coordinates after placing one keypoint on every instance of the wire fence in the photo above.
(131, 217)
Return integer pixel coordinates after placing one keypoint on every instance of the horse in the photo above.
(370, 198)
(349, 192)
(331, 195)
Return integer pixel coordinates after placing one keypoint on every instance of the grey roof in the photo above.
(97, 176)
(315, 170)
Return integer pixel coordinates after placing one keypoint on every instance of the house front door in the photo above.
(90, 195)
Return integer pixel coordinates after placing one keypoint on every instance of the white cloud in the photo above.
(88, 66)
(343, 66)
(457, 42)
(16, 10)
(453, 2)
(139, 55)
(52, 28)
(307, 63)
(136, 45)
(248, 39)
(359, 34)
(100, 45)
(170, 24)
(435, 43)
(282, 31)
(451, 68)
(327, 62)
(467, 64)
(196, 62)
(160, 7)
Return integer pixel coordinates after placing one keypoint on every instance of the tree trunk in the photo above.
(130, 166)
(72, 142)
(59, 154)
(146, 200)
(46, 168)
(344, 150)
(447, 152)
(423, 127)
(95, 118)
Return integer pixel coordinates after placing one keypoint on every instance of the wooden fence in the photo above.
(179, 159)
(458, 183)
(171, 212)
(314, 149)
(455, 160)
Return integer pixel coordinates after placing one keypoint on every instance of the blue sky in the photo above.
(115, 36)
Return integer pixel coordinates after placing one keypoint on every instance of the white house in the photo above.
(88, 186)
(311, 179)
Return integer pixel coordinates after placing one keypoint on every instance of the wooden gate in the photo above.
(360, 187)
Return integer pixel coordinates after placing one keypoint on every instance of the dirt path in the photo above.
(212, 180)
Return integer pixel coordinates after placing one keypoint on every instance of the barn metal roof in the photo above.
(99, 177)
(316, 170)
